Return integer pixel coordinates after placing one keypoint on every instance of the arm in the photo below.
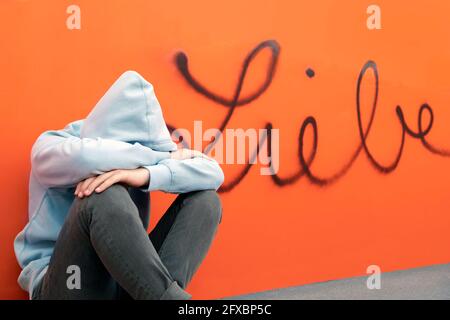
(186, 170)
(180, 176)
(61, 159)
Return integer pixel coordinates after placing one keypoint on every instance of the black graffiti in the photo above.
(310, 122)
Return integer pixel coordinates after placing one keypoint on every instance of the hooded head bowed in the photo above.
(130, 112)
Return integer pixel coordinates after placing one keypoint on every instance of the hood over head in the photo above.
(130, 112)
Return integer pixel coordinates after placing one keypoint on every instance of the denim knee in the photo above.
(111, 203)
(209, 205)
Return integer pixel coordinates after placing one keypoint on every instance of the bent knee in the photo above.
(113, 200)
(114, 195)
(208, 204)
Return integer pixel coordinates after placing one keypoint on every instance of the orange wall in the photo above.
(270, 236)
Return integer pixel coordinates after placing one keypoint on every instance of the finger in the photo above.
(77, 189)
(108, 183)
(196, 153)
(84, 185)
(199, 154)
(204, 156)
(189, 154)
(98, 181)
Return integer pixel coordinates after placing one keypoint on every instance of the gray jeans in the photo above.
(104, 236)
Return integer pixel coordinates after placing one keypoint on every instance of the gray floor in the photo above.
(421, 283)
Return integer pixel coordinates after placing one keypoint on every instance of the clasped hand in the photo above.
(132, 177)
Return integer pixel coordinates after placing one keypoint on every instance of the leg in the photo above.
(184, 234)
(104, 236)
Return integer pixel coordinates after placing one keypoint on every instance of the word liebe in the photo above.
(305, 161)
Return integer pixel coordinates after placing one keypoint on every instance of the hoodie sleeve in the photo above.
(180, 176)
(60, 159)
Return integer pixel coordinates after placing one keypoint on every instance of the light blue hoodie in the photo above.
(125, 130)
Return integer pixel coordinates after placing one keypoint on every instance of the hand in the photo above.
(134, 178)
(183, 154)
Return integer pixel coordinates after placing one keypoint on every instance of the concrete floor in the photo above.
(421, 283)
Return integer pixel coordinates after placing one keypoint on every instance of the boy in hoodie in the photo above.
(89, 204)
